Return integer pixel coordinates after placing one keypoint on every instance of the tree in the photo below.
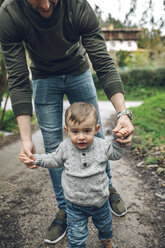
(99, 14)
(3, 73)
(109, 20)
(116, 23)
(3, 82)
(3, 77)
(147, 16)
(151, 40)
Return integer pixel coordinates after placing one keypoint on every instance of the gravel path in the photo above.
(27, 202)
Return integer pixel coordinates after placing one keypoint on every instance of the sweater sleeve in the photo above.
(93, 41)
(51, 160)
(18, 75)
(114, 150)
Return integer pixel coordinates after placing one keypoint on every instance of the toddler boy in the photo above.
(84, 178)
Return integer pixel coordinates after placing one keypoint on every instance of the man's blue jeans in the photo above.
(48, 100)
(77, 221)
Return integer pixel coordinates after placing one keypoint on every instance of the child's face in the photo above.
(82, 135)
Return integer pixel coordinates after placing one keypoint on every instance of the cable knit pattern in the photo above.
(84, 177)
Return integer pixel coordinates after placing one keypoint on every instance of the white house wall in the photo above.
(121, 45)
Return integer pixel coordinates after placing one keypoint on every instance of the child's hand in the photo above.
(29, 162)
(122, 133)
(124, 123)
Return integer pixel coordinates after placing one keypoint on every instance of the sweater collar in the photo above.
(40, 21)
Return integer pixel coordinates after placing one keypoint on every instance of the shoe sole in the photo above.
(55, 241)
(119, 215)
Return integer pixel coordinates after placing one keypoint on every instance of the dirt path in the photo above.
(27, 203)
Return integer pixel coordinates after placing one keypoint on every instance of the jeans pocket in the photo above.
(46, 91)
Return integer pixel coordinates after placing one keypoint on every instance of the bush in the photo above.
(96, 81)
(122, 58)
(9, 122)
(159, 77)
(139, 58)
(139, 78)
(144, 77)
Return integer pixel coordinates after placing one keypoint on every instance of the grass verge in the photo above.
(134, 94)
(149, 137)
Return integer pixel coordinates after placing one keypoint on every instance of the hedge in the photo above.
(140, 77)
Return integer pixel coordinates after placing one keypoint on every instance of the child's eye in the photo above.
(75, 131)
(87, 130)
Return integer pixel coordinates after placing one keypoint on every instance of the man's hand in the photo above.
(28, 149)
(124, 130)
(28, 161)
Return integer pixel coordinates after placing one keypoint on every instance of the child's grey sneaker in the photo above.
(57, 229)
(117, 205)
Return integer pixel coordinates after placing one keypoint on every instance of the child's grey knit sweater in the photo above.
(84, 178)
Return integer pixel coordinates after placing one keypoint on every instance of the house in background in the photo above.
(121, 38)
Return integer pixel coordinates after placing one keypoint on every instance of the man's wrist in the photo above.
(125, 112)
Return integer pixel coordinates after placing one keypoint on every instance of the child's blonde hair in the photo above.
(78, 112)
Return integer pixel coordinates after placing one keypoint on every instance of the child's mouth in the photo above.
(82, 144)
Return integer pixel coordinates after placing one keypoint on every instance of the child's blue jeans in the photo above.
(48, 99)
(77, 221)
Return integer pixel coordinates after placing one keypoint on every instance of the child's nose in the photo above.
(81, 135)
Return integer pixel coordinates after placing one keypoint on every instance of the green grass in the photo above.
(101, 95)
(140, 93)
(134, 94)
(149, 123)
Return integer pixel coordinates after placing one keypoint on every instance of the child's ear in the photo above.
(97, 128)
(65, 128)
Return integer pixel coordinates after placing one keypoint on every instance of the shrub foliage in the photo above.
(139, 77)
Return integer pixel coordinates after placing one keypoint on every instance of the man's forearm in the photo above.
(118, 102)
(123, 122)
(24, 124)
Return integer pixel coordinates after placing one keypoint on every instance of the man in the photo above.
(58, 35)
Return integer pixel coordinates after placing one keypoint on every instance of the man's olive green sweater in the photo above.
(56, 46)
